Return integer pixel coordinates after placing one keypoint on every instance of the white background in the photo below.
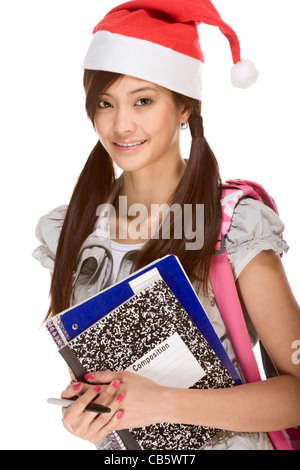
(46, 138)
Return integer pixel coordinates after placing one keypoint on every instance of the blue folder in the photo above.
(90, 311)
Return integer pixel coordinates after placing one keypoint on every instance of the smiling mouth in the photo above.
(129, 145)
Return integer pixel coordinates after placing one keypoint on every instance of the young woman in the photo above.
(138, 123)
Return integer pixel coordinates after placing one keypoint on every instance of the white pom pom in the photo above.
(244, 74)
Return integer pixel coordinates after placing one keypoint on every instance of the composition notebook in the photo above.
(152, 334)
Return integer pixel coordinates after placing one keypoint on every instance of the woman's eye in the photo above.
(143, 102)
(104, 104)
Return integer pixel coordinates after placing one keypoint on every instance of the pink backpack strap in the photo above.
(226, 295)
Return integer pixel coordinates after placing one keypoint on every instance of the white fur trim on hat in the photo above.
(146, 60)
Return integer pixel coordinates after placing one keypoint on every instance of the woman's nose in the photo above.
(123, 122)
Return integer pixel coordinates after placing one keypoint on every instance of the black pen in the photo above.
(95, 407)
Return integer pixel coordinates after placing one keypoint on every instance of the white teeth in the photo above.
(130, 145)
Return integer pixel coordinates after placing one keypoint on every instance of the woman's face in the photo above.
(138, 123)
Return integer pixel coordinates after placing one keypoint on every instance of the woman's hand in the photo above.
(134, 401)
(85, 424)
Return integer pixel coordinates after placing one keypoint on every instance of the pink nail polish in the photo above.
(97, 388)
(77, 386)
(119, 415)
(120, 397)
(89, 376)
(116, 383)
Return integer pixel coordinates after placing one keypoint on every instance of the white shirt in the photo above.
(118, 251)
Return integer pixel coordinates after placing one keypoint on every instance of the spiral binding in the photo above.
(58, 332)
(111, 442)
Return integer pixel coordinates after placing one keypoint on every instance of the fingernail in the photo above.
(97, 388)
(89, 376)
(116, 383)
(120, 397)
(77, 386)
(119, 415)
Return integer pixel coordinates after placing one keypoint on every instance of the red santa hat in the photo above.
(158, 41)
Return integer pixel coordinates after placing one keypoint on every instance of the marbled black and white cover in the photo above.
(140, 326)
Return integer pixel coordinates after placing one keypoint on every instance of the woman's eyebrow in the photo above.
(147, 88)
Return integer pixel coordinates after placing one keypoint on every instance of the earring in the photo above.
(184, 125)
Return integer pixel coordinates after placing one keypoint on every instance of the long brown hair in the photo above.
(200, 184)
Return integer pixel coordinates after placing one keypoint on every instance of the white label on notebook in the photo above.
(169, 364)
(140, 283)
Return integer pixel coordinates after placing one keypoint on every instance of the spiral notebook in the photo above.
(152, 334)
(70, 323)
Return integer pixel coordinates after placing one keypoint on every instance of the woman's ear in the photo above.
(185, 114)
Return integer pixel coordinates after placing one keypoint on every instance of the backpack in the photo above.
(224, 288)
